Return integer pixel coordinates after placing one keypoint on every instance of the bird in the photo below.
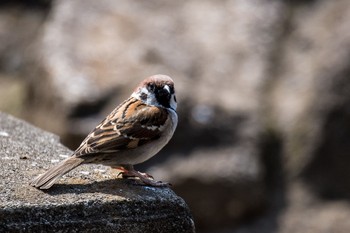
(132, 133)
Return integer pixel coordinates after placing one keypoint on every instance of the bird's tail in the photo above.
(46, 180)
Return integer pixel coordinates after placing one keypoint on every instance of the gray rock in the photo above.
(311, 79)
(307, 103)
(307, 109)
(89, 199)
(15, 44)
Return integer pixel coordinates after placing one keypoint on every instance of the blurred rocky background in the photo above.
(263, 142)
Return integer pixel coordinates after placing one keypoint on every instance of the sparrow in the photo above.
(132, 133)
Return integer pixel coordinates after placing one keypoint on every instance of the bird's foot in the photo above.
(145, 178)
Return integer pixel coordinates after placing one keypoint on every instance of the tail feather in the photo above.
(46, 180)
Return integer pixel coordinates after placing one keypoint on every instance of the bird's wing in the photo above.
(130, 125)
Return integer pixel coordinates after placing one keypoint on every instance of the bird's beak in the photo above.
(167, 88)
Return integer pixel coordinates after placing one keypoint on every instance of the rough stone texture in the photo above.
(89, 199)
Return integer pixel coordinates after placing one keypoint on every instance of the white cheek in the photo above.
(151, 99)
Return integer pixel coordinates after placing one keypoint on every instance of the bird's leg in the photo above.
(123, 172)
(129, 171)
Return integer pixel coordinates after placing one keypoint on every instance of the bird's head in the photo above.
(157, 90)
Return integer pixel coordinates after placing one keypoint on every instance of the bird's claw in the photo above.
(144, 178)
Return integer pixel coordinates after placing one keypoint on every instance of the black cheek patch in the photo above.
(143, 96)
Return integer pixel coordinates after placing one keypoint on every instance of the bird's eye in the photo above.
(151, 87)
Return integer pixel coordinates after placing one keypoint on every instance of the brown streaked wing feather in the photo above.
(145, 124)
(107, 126)
(127, 128)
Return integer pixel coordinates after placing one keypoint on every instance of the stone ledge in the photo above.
(88, 199)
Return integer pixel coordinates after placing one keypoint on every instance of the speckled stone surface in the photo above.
(89, 199)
